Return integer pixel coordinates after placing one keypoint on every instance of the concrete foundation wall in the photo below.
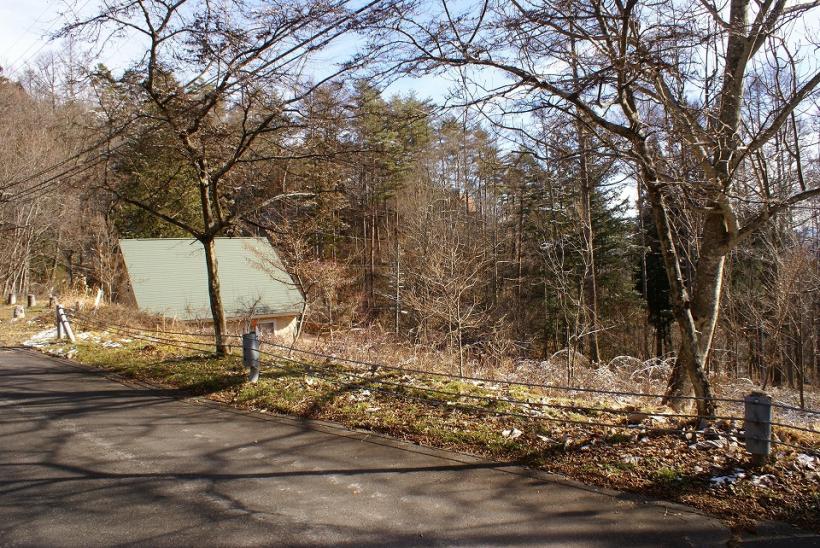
(283, 327)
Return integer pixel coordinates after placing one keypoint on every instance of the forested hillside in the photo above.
(489, 237)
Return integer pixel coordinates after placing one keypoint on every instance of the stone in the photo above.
(18, 313)
(636, 417)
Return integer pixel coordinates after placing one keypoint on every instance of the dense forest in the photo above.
(521, 221)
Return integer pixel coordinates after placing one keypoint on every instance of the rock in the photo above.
(711, 434)
(18, 313)
(706, 445)
(636, 417)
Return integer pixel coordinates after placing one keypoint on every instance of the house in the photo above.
(168, 277)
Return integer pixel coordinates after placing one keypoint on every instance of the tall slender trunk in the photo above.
(590, 272)
(373, 259)
(398, 272)
(206, 194)
(590, 282)
(215, 296)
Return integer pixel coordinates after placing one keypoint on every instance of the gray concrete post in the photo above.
(63, 322)
(58, 322)
(250, 354)
(757, 424)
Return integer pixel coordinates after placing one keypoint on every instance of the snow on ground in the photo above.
(49, 336)
(42, 338)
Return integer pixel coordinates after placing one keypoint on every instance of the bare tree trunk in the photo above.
(695, 317)
(215, 296)
(302, 319)
(590, 274)
(398, 273)
(373, 222)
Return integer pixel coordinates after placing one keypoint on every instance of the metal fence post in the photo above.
(250, 354)
(757, 424)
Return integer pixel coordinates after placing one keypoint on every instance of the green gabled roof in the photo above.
(169, 277)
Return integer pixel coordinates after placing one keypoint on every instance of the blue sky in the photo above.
(25, 26)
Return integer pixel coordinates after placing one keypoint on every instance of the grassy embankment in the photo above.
(458, 415)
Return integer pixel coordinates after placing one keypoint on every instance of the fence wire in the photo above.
(320, 371)
(556, 387)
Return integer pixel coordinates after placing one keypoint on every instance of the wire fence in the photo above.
(401, 388)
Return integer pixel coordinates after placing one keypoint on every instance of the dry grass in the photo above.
(678, 465)
(623, 373)
(13, 333)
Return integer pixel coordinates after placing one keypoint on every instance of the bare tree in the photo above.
(443, 281)
(648, 80)
(224, 82)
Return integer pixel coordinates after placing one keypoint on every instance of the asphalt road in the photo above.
(88, 461)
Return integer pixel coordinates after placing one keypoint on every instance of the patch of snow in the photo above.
(42, 338)
(808, 461)
(361, 395)
(728, 480)
(765, 480)
(512, 433)
(89, 336)
(111, 344)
